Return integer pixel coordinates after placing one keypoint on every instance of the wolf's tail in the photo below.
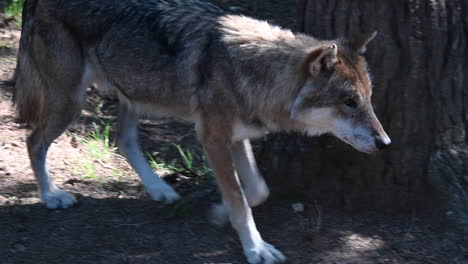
(29, 92)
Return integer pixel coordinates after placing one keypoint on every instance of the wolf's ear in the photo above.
(359, 43)
(324, 57)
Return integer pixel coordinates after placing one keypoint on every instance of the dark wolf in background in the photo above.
(233, 76)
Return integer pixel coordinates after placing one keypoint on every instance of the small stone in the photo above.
(219, 215)
(17, 248)
(298, 207)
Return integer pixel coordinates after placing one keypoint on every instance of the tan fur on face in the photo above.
(353, 68)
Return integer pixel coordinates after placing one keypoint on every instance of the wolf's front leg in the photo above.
(255, 249)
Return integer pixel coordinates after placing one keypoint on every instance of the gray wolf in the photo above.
(235, 77)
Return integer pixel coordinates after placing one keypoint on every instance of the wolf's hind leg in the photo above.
(128, 145)
(252, 181)
(61, 108)
(38, 143)
(50, 93)
(60, 111)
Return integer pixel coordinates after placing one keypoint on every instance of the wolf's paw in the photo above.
(219, 215)
(263, 253)
(57, 198)
(257, 194)
(163, 193)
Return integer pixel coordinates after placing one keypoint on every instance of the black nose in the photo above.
(381, 144)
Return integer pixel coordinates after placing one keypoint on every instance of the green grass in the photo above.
(186, 155)
(157, 165)
(100, 150)
(98, 143)
(88, 171)
(189, 163)
(15, 8)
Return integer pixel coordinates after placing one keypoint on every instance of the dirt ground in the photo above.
(116, 222)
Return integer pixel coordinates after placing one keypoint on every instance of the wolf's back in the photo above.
(54, 31)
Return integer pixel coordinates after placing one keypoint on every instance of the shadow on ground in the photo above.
(131, 230)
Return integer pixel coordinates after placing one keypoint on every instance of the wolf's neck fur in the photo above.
(269, 60)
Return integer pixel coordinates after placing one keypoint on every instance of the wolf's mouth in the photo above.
(359, 142)
(368, 147)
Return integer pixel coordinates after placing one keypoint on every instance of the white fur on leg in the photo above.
(255, 248)
(160, 191)
(156, 187)
(262, 252)
(254, 185)
(51, 195)
(219, 215)
(57, 198)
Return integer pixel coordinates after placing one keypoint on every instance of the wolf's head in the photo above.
(336, 97)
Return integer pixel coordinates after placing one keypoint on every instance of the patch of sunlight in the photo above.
(362, 243)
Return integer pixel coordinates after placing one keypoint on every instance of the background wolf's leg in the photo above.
(219, 153)
(252, 181)
(128, 145)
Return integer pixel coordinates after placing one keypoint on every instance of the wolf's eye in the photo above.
(350, 103)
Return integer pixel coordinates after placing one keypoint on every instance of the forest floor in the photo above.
(116, 222)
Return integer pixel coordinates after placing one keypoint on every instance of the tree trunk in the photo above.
(419, 64)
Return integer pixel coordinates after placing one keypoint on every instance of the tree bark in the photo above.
(419, 64)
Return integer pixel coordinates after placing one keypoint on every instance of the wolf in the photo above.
(233, 76)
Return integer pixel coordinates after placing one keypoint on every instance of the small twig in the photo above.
(104, 165)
